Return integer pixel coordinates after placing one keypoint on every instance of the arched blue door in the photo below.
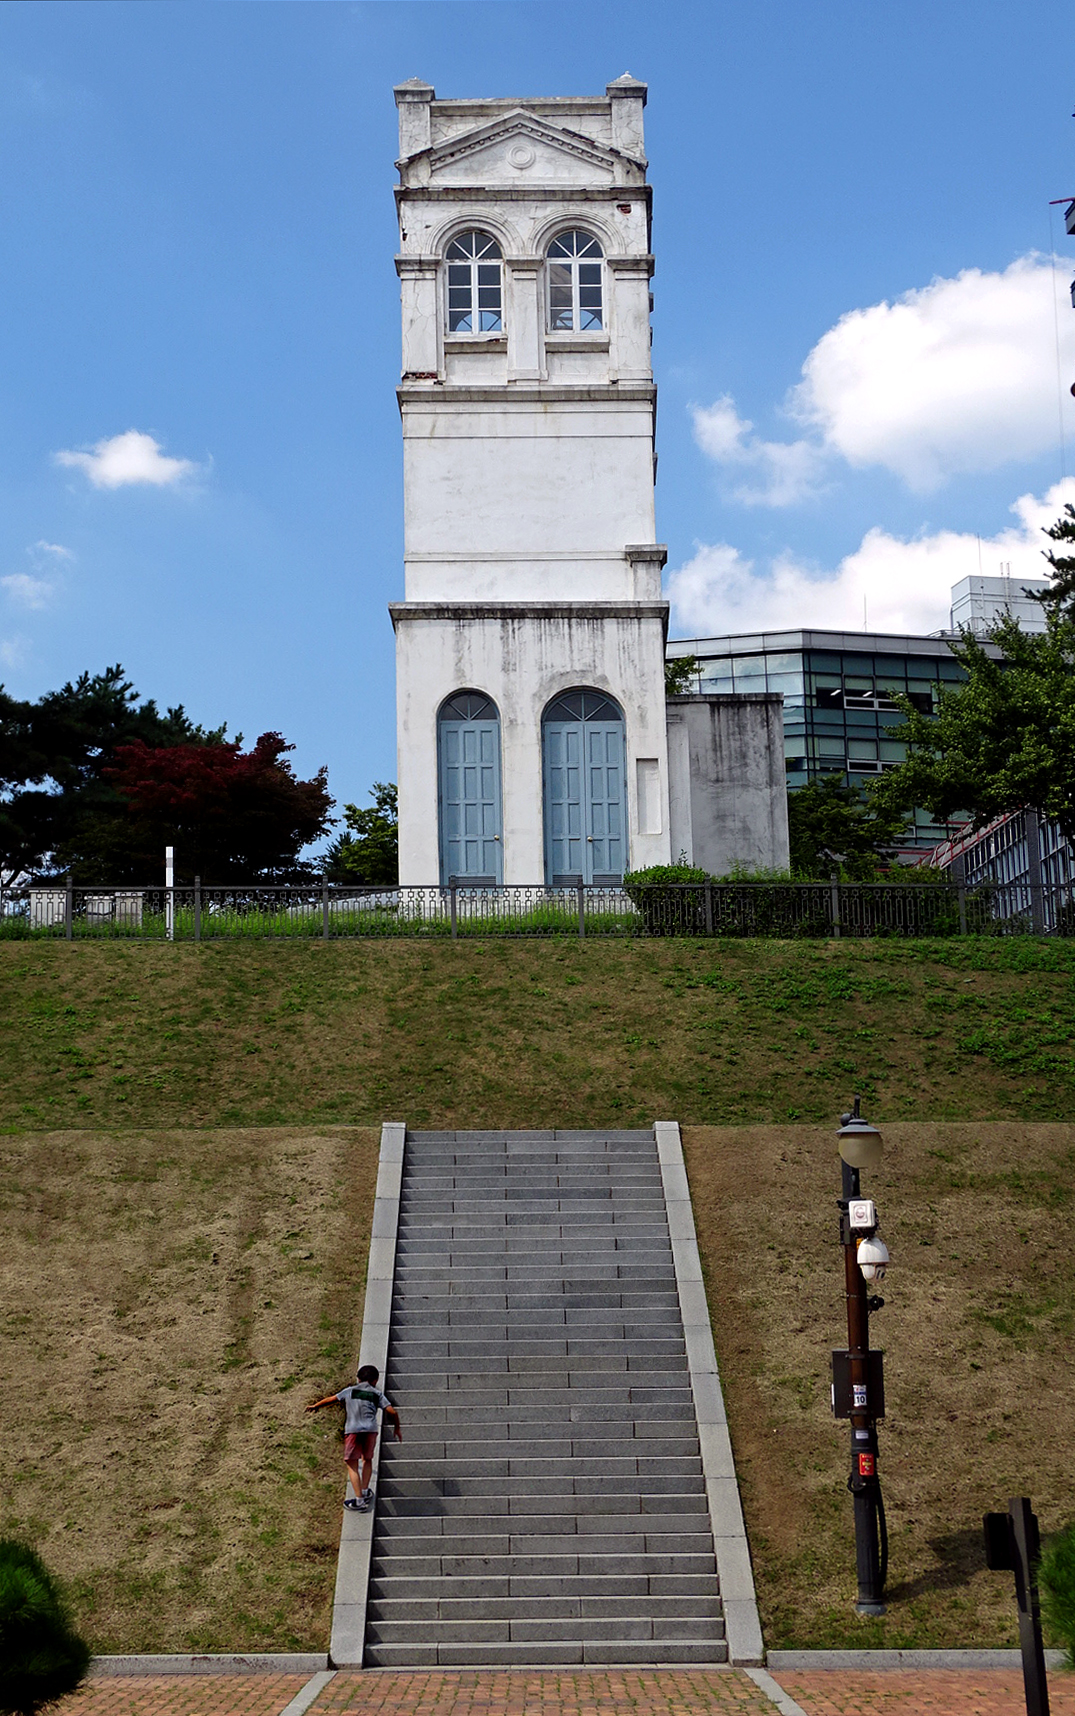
(585, 802)
(468, 747)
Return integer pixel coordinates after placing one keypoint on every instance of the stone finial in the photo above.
(628, 98)
(413, 99)
(629, 86)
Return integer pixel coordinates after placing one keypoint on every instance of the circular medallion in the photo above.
(520, 156)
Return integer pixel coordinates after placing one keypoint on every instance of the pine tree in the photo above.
(1061, 596)
(41, 1655)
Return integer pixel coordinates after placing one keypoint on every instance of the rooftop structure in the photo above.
(839, 713)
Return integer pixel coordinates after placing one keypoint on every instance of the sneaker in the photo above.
(363, 1506)
(367, 1495)
(354, 1505)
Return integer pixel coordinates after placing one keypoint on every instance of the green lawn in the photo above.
(524, 1034)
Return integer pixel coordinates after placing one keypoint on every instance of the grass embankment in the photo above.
(170, 1301)
(520, 1034)
(152, 1448)
(979, 1336)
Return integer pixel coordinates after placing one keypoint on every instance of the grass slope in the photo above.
(514, 1033)
(154, 1447)
(979, 1336)
(169, 1302)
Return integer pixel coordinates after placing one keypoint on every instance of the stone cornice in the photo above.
(772, 698)
(631, 264)
(492, 194)
(520, 123)
(527, 393)
(646, 551)
(414, 266)
(412, 611)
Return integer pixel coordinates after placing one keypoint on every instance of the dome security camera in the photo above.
(873, 1258)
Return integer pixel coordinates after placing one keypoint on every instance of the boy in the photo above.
(361, 1405)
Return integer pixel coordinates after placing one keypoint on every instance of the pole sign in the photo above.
(849, 1398)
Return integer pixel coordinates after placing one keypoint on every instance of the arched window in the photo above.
(468, 747)
(585, 802)
(574, 261)
(475, 303)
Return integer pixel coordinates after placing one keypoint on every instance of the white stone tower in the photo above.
(530, 646)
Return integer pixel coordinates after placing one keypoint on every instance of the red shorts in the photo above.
(357, 1446)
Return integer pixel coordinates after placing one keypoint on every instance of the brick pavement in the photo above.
(184, 1695)
(915, 1692)
(542, 1692)
(605, 1692)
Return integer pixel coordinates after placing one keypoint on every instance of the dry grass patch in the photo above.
(170, 1300)
(979, 1337)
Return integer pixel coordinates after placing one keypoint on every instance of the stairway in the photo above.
(547, 1506)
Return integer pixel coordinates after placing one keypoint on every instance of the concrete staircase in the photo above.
(547, 1505)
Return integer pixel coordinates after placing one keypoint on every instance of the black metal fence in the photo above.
(59, 911)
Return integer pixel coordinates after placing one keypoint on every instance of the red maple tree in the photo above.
(230, 814)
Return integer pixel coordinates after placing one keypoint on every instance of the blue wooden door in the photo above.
(471, 846)
(604, 768)
(585, 805)
(565, 838)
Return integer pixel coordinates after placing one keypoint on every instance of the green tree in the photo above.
(826, 816)
(41, 1655)
(679, 670)
(369, 851)
(1003, 740)
(56, 796)
(1061, 597)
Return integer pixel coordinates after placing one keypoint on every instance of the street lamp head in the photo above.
(873, 1258)
(861, 1145)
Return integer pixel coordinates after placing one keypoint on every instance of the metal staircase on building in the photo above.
(547, 1506)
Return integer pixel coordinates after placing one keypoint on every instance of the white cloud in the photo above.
(785, 472)
(28, 592)
(956, 377)
(37, 589)
(13, 652)
(125, 459)
(905, 584)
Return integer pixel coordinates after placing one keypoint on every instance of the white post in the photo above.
(169, 898)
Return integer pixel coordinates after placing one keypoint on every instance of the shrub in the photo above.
(666, 898)
(1056, 1577)
(41, 1655)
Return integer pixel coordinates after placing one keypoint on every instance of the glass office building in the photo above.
(839, 716)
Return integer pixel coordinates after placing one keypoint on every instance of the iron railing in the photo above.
(62, 910)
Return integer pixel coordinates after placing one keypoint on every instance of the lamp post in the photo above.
(858, 1378)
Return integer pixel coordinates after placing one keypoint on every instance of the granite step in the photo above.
(547, 1506)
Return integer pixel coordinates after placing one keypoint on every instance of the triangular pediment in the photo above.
(520, 147)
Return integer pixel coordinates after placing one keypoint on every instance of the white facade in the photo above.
(532, 568)
(979, 603)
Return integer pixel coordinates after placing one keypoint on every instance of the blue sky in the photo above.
(198, 232)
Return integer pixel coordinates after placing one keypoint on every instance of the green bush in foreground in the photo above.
(1056, 1577)
(41, 1655)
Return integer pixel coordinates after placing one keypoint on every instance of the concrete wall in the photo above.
(727, 794)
